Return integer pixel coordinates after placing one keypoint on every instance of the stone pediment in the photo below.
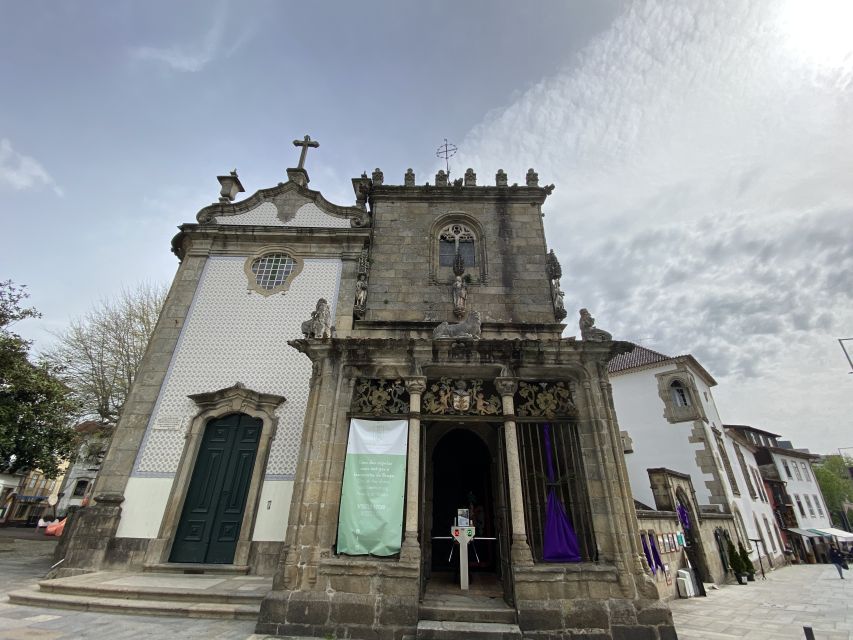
(288, 204)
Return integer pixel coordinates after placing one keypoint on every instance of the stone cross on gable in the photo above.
(304, 143)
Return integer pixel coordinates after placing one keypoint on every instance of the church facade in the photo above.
(428, 319)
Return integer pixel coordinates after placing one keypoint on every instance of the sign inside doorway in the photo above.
(371, 516)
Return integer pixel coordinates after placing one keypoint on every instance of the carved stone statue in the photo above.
(360, 295)
(559, 305)
(460, 295)
(467, 329)
(320, 324)
(588, 329)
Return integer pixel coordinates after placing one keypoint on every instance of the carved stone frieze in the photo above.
(460, 397)
(468, 329)
(380, 397)
(545, 399)
(319, 325)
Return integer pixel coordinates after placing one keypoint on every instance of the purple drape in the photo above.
(649, 558)
(683, 515)
(560, 543)
(654, 548)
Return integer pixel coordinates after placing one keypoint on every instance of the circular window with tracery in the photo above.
(271, 271)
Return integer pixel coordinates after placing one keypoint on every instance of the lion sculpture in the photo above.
(467, 329)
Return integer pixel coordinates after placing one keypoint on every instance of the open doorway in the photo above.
(462, 473)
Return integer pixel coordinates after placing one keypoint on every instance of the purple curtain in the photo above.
(649, 558)
(683, 515)
(655, 555)
(560, 543)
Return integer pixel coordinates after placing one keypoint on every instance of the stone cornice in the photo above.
(431, 193)
(359, 217)
(214, 233)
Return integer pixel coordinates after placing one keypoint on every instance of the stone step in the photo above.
(33, 597)
(442, 611)
(164, 593)
(191, 568)
(448, 630)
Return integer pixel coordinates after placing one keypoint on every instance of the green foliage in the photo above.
(35, 407)
(746, 563)
(835, 484)
(735, 561)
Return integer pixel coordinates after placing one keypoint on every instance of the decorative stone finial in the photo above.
(468, 329)
(231, 186)
(441, 178)
(470, 178)
(532, 178)
(320, 323)
(588, 329)
(500, 178)
(409, 178)
(378, 177)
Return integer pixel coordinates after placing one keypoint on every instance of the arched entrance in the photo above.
(463, 470)
(209, 527)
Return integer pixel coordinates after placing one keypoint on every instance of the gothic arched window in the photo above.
(680, 395)
(456, 238)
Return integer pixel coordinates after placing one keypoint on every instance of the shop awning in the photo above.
(806, 533)
(832, 531)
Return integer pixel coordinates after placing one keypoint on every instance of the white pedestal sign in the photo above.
(463, 535)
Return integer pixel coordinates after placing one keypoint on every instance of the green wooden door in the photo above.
(216, 499)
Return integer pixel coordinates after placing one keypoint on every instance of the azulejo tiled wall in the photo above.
(267, 214)
(235, 335)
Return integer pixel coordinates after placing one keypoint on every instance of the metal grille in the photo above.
(272, 270)
(568, 481)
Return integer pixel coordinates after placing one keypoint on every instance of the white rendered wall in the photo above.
(656, 442)
(267, 214)
(275, 502)
(803, 487)
(142, 510)
(234, 335)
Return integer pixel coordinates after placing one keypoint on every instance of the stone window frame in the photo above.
(81, 487)
(439, 275)
(214, 405)
(727, 465)
(672, 411)
(251, 280)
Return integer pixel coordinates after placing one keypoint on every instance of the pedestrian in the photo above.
(837, 559)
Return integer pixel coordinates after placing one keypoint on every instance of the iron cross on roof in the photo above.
(304, 143)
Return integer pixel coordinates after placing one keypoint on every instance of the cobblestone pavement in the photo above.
(775, 609)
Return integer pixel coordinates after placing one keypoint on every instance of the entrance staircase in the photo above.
(481, 614)
(226, 594)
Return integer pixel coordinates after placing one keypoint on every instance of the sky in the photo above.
(702, 155)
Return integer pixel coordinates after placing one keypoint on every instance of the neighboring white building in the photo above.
(669, 419)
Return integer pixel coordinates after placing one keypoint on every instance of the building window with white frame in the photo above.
(787, 469)
(818, 505)
(797, 472)
(800, 505)
(809, 505)
(806, 473)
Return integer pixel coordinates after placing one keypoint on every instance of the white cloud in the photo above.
(703, 199)
(192, 57)
(20, 172)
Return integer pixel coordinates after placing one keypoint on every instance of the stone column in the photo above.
(520, 548)
(411, 550)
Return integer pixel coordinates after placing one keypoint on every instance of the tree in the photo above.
(35, 407)
(99, 354)
(834, 479)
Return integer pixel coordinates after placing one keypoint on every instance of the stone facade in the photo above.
(400, 250)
